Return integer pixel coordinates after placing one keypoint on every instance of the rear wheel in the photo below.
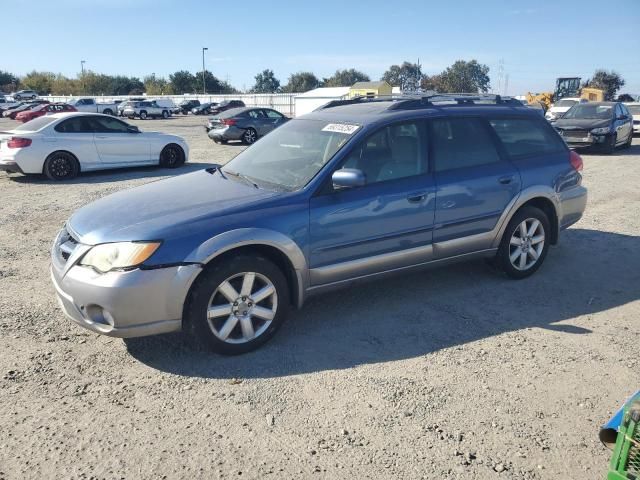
(61, 166)
(237, 305)
(249, 136)
(172, 156)
(524, 243)
(165, 114)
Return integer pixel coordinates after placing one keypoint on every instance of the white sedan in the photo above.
(64, 144)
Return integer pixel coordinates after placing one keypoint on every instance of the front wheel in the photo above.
(61, 166)
(172, 156)
(610, 146)
(525, 243)
(143, 115)
(237, 305)
(249, 136)
(165, 114)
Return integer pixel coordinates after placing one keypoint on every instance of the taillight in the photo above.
(228, 121)
(576, 161)
(17, 142)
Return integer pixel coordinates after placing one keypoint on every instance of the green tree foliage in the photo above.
(345, 78)
(182, 82)
(406, 76)
(121, 85)
(41, 82)
(157, 85)
(266, 82)
(610, 82)
(8, 81)
(461, 77)
(301, 82)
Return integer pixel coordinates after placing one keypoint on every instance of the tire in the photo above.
(108, 111)
(143, 115)
(610, 146)
(61, 166)
(33, 97)
(172, 156)
(224, 141)
(520, 260)
(249, 136)
(165, 114)
(250, 321)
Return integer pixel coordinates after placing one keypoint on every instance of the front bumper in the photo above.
(587, 141)
(124, 303)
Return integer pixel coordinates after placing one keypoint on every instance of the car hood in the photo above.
(160, 209)
(581, 123)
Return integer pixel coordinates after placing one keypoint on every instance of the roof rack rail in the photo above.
(430, 99)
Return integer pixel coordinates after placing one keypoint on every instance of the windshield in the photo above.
(590, 111)
(35, 125)
(566, 103)
(289, 157)
(634, 109)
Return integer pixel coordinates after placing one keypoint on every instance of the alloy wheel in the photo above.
(250, 135)
(61, 167)
(526, 244)
(242, 307)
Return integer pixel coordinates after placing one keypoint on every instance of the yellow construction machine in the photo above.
(565, 87)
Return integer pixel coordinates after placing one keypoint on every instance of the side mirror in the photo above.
(133, 129)
(348, 178)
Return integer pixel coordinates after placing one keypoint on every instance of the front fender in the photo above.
(242, 237)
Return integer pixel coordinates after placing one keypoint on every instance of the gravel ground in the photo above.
(451, 373)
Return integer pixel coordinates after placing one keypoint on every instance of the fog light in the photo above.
(97, 314)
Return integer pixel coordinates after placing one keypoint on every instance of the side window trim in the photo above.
(491, 134)
(425, 154)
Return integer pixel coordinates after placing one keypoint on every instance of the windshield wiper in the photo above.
(243, 177)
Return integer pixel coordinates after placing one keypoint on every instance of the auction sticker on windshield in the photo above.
(341, 128)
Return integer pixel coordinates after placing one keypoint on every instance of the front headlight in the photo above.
(600, 131)
(113, 256)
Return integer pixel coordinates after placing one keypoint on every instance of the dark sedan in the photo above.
(226, 105)
(603, 124)
(203, 108)
(245, 124)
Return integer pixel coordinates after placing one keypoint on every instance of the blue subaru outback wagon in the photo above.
(356, 190)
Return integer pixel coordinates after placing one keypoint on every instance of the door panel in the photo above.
(76, 135)
(117, 146)
(374, 220)
(474, 185)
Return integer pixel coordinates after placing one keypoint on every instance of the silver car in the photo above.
(144, 110)
(244, 124)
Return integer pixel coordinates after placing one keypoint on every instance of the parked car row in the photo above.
(14, 110)
(44, 109)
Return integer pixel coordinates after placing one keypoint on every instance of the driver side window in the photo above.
(393, 152)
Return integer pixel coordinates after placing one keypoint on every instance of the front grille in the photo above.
(575, 133)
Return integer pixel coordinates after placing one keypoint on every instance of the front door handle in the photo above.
(416, 197)
(506, 180)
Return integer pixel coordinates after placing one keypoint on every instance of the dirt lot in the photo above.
(452, 373)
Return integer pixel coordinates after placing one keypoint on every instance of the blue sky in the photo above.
(536, 40)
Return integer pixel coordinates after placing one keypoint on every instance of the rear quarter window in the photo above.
(524, 136)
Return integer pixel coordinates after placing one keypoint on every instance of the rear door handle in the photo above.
(506, 180)
(416, 197)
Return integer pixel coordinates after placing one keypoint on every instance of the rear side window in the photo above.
(525, 136)
(461, 143)
(74, 125)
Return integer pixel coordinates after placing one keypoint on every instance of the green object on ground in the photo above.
(625, 462)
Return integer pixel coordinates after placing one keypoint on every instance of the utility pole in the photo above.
(82, 62)
(204, 82)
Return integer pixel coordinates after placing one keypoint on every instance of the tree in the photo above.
(41, 82)
(301, 82)
(157, 85)
(62, 85)
(182, 82)
(121, 85)
(8, 81)
(266, 82)
(464, 77)
(625, 97)
(432, 82)
(345, 78)
(406, 76)
(610, 82)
